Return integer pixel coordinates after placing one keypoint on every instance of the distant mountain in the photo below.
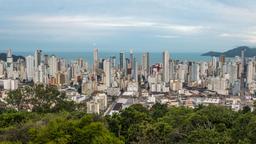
(249, 52)
(15, 58)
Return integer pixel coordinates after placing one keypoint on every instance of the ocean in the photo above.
(154, 56)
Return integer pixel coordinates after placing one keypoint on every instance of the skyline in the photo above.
(176, 26)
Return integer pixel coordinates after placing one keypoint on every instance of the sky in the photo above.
(116, 25)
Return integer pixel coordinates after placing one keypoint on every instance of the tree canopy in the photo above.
(39, 98)
(54, 119)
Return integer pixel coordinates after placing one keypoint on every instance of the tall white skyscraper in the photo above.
(214, 62)
(30, 67)
(195, 72)
(203, 68)
(9, 66)
(172, 70)
(250, 72)
(107, 72)
(36, 78)
(1, 68)
(95, 63)
(145, 64)
(166, 71)
(135, 70)
(95, 59)
(42, 73)
(131, 62)
(53, 65)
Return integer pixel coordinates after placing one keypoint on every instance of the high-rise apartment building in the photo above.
(30, 67)
(107, 72)
(9, 66)
(145, 64)
(166, 71)
(38, 55)
(122, 62)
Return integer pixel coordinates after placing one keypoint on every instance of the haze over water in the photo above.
(154, 57)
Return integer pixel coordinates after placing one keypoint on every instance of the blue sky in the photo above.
(114, 25)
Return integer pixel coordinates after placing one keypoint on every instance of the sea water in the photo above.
(154, 57)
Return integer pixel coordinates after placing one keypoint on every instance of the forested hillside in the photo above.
(136, 124)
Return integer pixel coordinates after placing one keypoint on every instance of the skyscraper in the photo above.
(42, 72)
(1, 69)
(30, 67)
(222, 59)
(243, 75)
(145, 64)
(107, 72)
(113, 61)
(195, 72)
(95, 59)
(135, 70)
(131, 60)
(122, 61)
(250, 72)
(46, 59)
(53, 65)
(38, 54)
(166, 71)
(9, 66)
(95, 64)
(172, 69)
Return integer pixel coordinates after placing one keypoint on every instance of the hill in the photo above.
(249, 52)
(15, 58)
(134, 125)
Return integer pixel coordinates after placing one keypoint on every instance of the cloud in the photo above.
(249, 37)
(225, 35)
(82, 21)
(102, 22)
(90, 28)
(186, 28)
(167, 36)
(199, 22)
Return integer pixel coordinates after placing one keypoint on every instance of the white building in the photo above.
(107, 72)
(132, 87)
(53, 65)
(250, 72)
(181, 73)
(97, 104)
(175, 85)
(30, 67)
(2, 69)
(101, 98)
(145, 64)
(93, 107)
(219, 85)
(9, 67)
(166, 71)
(195, 72)
(10, 84)
(211, 101)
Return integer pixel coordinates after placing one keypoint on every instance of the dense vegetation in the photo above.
(160, 124)
(39, 98)
(25, 127)
(136, 124)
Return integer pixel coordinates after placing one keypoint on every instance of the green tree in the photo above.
(207, 136)
(19, 98)
(158, 110)
(39, 98)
